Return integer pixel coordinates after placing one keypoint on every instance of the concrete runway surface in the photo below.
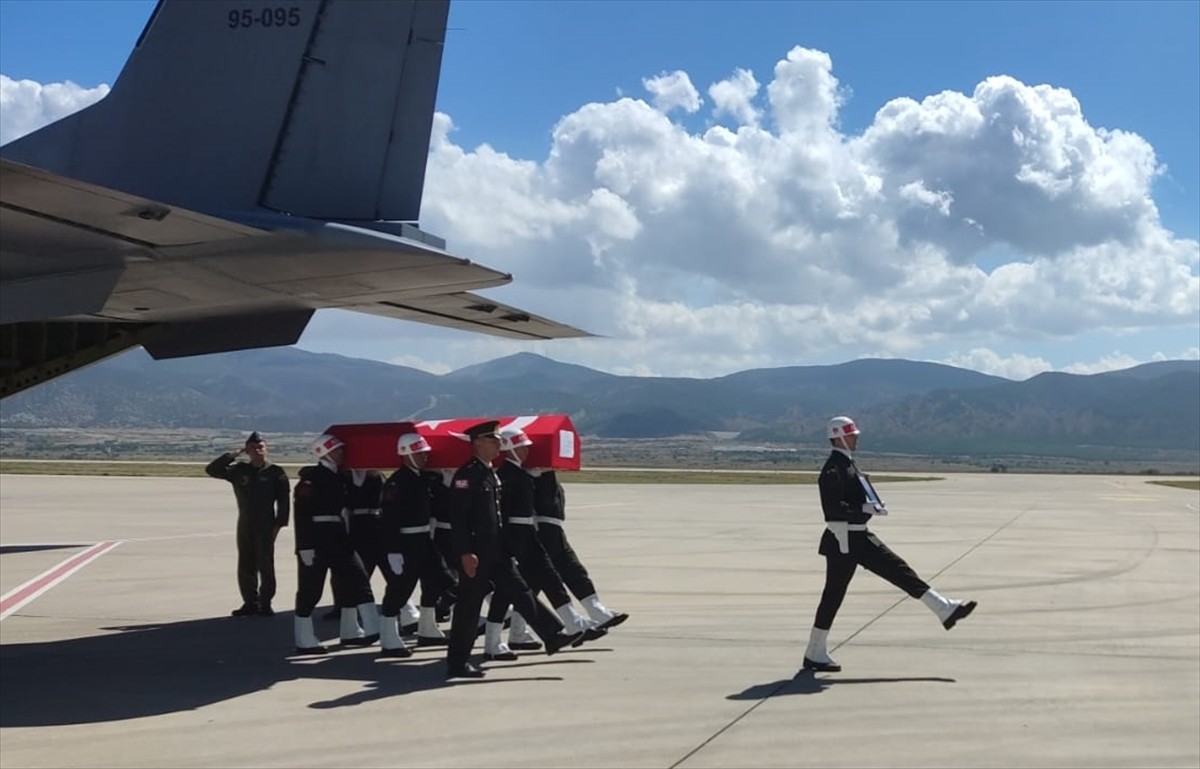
(1084, 651)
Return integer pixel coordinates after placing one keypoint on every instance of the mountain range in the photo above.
(905, 406)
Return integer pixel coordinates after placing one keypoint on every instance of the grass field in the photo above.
(1190, 485)
(614, 475)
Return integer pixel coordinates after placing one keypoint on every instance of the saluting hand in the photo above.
(470, 562)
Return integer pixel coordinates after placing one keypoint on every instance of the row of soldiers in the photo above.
(461, 535)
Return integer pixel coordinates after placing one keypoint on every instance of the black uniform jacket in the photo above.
(320, 492)
(263, 494)
(406, 502)
(439, 495)
(475, 512)
(516, 501)
(842, 495)
(548, 497)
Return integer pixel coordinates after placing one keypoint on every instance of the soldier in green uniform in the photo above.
(263, 498)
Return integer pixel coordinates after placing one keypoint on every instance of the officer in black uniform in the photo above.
(483, 559)
(408, 545)
(549, 503)
(323, 545)
(847, 543)
(264, 502)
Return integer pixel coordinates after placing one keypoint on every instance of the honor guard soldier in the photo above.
(849, 501)
(264, 501)
(521, 539)
(323, 545)
(439, 522)
(483, 559)
(549, 502)
(410, 553)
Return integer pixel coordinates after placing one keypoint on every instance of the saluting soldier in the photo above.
(410, 553)
(847, 543)
(322, 546)
(483, 558)
(263, 498)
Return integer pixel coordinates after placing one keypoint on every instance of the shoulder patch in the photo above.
(462, 483)
(304, 489)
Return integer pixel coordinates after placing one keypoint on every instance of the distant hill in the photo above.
(905, 406)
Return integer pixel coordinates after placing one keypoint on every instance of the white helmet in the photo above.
(840, 427)
(325, 444)
(411, 443)
(513, 438)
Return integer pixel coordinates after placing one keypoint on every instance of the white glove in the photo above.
(841, 532)
(307, 556)
(396, 562)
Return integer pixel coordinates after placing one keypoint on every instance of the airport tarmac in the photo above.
(1084, 651)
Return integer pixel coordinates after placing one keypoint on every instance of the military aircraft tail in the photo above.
(315, 108)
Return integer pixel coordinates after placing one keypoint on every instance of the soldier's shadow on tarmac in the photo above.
(151, 669)
(805, 682)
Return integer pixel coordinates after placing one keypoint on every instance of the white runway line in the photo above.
(28, 592)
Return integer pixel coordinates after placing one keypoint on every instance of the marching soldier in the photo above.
(323, 545)
(264, 503)
(549, 503)
(410, 553)
(521, 539)
(483, 559)
(846, 543)
(439, 522)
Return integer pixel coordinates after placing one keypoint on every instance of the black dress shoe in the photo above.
(410, 629)
(822, 667)
(959, 613)
(524, 646)
(507, 656)
(333, 613)
(366, 640)
(245, 610)
(591, 634)
(429, 640)
(397, 653)
(266, 611)
(309, 650)
(617, 619)
(466, 671)
(561, 641)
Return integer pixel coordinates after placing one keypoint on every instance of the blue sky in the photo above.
(517, 76)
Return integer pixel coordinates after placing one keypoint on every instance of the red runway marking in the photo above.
(15, 599)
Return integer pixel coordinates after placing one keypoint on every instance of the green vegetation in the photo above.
(612, 475)
(1190, 485)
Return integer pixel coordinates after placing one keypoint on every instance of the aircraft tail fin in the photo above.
(316, 108)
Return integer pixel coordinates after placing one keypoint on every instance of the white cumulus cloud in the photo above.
(673, 90)
(979, 221)
(26, 105)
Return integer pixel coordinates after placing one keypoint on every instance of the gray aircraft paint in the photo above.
(255, 161)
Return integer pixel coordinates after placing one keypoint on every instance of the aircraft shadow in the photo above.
(151, 669)
(805, 682)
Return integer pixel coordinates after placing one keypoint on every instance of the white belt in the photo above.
(526, 520)
(415, 529)
(328, 519)
(856, 527)
(547, 519)
(365, 511)
(441, 524)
